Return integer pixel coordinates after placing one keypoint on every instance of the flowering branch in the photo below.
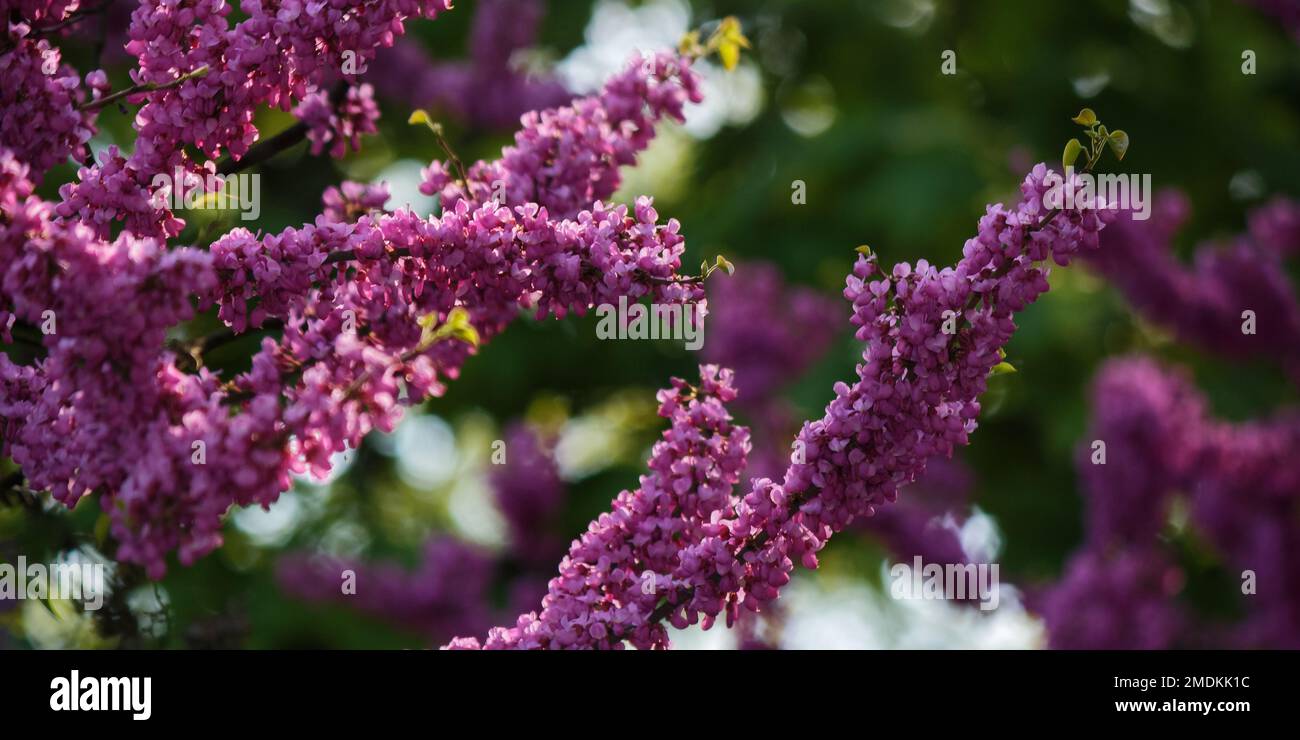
(916, 397)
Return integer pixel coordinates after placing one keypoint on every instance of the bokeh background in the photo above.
(844, 95)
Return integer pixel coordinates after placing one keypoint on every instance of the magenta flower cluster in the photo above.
(529, 493)
(282, 54)
(313, 393)
(651, 543)
(1204, 303)
(1239, 482)
(564, 159)
(487, 89)
(40, 120)
(915, 397)
(120, 402)
(770, 333)
(339, 126)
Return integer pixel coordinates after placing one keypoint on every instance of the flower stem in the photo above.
(147, 87)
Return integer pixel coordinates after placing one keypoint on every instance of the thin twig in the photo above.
(147, 87)
(74, 17)
(265, 150)
(286, 139)
(455, 160)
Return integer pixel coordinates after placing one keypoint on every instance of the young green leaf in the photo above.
(1002, 368)
(1085, 118)
(420, 116)
(1072, 151)
(1118, 141)
(457, 326)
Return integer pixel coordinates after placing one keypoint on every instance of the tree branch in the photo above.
(147, 87)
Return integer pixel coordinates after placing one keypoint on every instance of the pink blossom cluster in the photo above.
(282, 53)
(339, 126)
(529, 493)
(485, 90)
(112, 304)
(361, 295)
(769, 334)
(566, 158)
(916, 397)
(279, 54)
(352, 200)
(1203, 303)
(354, 325)
(40, 122)
(614, 576)
(1241, 485)
(324, 384)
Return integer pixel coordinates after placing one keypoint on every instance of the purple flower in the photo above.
(915, 398)
(529, 492)
(1205, 303)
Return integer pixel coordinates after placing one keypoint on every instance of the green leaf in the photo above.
(1085, 118)
(420, 116)
(1002, 368)
(864, 250)
(725, 264)
(457, 326)
(1118, 141)
(1072, 151)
